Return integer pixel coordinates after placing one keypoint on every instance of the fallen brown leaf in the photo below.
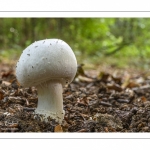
(115, 87)
(143, 98)
(58, 128)
(103, 76)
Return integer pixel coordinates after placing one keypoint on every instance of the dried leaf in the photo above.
(103, 76)
(1, 95)
(83, 101)
(80, 70)
(115, 87)
(143, 98)
(116, 79)
(1, 123)
(15, 84)
(58, 128)
(130, 84)
(82, 130)
(6, 83)
(84, 79)
(6, 74)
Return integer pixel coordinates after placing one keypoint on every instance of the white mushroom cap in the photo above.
(46, 60)
(48, 65)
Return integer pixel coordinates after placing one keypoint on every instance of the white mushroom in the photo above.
(48, 65)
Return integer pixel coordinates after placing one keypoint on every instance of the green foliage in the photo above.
(93, 37)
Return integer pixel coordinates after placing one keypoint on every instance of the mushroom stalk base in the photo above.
(50, 100)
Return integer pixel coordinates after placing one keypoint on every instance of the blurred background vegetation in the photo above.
(121, 42)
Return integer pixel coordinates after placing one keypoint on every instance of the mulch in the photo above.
(110, 101)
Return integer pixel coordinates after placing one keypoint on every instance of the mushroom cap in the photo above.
(44, 60)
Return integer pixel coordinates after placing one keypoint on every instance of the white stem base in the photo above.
(50, 100)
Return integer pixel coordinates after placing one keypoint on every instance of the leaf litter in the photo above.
(116, 101)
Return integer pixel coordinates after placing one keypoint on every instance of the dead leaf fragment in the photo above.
(83, 101)
(6, 74)
(1, 95)
(6, 83)
(144, 99)
(115, 87)
(84, 79)
(130, 84)
(103, 76)
(80, 70)
(58, 128)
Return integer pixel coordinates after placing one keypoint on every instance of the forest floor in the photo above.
(104, 100)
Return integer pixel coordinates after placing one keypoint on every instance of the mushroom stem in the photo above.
(50, 100)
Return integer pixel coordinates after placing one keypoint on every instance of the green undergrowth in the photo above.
(118, 60)
(123, 59)
(9, 55)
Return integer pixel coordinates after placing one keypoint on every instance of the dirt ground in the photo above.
(107, 101)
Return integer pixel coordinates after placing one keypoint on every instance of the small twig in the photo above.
(9, 129)
(81, 104)
(12, 125)
(27, 102)
(28, 109)
(14, 98)
(141, 87)
(122, 100)
(105, 103)
(83, 130)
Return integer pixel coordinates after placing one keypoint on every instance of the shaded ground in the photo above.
(110, 101)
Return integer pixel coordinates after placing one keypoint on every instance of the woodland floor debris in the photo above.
(107, 102)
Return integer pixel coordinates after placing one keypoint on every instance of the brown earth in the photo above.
(105, 101)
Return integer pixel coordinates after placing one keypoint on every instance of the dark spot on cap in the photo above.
(43, 42)
(28, 54)
(36, 46)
